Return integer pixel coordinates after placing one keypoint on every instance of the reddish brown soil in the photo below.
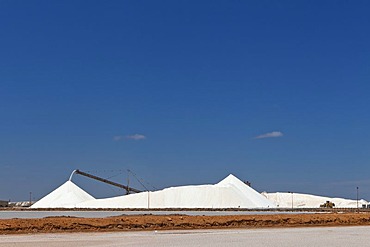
(151, 222)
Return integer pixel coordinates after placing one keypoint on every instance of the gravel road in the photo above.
(289, 237)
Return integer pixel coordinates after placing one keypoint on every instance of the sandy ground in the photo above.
(287, 237)
(178, 222)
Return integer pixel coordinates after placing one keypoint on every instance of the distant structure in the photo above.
(4, 203)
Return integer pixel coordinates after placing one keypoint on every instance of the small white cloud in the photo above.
(270, 135)
(136, 137)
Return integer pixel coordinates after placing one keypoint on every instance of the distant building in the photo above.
(3, 203)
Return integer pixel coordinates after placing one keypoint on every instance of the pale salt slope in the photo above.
(68, 195)
(284, 200)
(229, 193)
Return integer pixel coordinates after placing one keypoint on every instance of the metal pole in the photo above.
(357, 199)
(128, 182)
(30, 198)
(292, 200)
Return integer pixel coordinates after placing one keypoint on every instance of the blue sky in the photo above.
(183, 92)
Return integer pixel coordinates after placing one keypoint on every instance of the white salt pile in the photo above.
(68, 195)
(229, 193)
(298, 200)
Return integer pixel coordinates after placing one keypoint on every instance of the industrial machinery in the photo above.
(125, 187)
(327, 204)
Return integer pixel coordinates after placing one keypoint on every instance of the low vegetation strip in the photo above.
(171, 222)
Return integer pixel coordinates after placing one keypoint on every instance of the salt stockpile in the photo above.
(68, 195)
(229, 193)
(298, 200)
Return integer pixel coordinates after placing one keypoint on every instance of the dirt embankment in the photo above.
(153, 222)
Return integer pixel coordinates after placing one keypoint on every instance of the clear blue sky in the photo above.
(178, 91)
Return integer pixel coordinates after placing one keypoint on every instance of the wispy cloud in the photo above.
(136, 137)
(272, 134)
